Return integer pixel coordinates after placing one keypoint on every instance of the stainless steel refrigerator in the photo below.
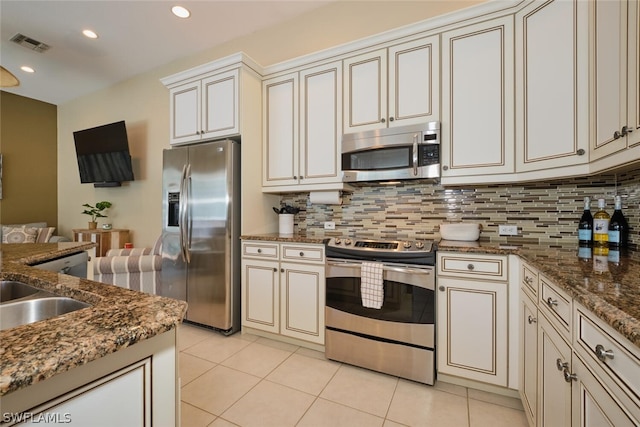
(201, 232)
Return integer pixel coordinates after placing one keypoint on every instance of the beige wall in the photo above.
(143, 102)
(28, 146)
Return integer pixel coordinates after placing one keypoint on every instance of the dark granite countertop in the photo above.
(118, 318)
(607, 286)
(285, 238)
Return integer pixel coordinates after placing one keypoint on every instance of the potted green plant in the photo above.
(95, 212)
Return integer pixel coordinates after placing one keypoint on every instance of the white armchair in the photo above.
(136, 268)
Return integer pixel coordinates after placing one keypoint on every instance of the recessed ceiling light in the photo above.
(180, 12)
(90, 34)
(27, 69)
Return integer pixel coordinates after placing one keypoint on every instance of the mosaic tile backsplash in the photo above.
(543, 211)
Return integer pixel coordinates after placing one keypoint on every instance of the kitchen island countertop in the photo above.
(117, 318)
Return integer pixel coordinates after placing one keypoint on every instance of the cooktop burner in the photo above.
(419, 252)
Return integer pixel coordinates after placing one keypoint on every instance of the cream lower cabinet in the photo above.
(283, 289)
(529, 355)
(574, 370)
(472, 312)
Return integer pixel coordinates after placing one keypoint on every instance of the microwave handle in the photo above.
(415, 154)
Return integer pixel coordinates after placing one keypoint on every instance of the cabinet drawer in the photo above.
(303, 253)
(609, 351)
(473, 266)
(557, 305)
(260, 250)
(529, 279)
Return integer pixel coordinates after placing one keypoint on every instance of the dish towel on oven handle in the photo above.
(371, 284)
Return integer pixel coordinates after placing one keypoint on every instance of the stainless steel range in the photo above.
(397, 338)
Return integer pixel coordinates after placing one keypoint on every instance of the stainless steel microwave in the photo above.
(400, 153)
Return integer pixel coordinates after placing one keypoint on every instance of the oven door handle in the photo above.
(384, 268)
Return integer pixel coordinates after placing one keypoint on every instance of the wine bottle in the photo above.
(618, 227)
(601, 225)
(585, 226)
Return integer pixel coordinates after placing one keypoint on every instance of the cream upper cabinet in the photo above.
(552, 109)
(615, 84)
(280, 132)
(303, 129)
(392, 87)
(477, 100)
(320, 124)
(205, 109)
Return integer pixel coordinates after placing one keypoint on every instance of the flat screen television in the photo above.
(103, 155)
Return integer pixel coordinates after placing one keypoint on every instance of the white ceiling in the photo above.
(134, 37)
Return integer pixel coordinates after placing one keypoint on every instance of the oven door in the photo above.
(408, 309)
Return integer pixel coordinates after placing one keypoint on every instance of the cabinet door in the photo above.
(302, 301)
(260, 295)
(365, 92)
(472, 330)
(609, 90)
(414, 82)
(552, 109)
(529, 357)
(320, 124)
(185, 123)
(554, 404)
(280, 149)
(121, 398)
(633, 73)
(477, 99)
(593, 404)
(220, 105)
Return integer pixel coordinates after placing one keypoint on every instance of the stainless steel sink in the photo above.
(19, 313)
(11, 290)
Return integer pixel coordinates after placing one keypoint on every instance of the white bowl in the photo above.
(462, 231)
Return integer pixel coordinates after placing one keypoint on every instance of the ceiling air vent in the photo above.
(30, 43)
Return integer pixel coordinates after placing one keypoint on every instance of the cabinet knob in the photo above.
(445, 168)
(581, 152)
(259, 251)
(531, 320)
(282, 270)
(470, 267)
(301, 253)
(603, 354)
(382, 120)
(625, 130)
(275, 270)
(568, 377)
(617, 135)
(551, 302)
(295, 177)
(528, 280)
(391, 119)
(561, 365)
(441, 288)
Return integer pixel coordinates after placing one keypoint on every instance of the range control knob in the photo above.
(347, 242)
(338, 240)
(419, 245)
(406, 245)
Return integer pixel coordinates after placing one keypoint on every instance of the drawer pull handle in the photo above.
(531, 320)
(301, 253)
(551, 302)
(603, 354)
(259, 251)
(568, 377)
(561, 365)
(470, 267)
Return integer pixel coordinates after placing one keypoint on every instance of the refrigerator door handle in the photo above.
(188, 217)
(182, 212)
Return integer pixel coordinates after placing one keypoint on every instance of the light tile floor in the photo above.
(246, 380)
